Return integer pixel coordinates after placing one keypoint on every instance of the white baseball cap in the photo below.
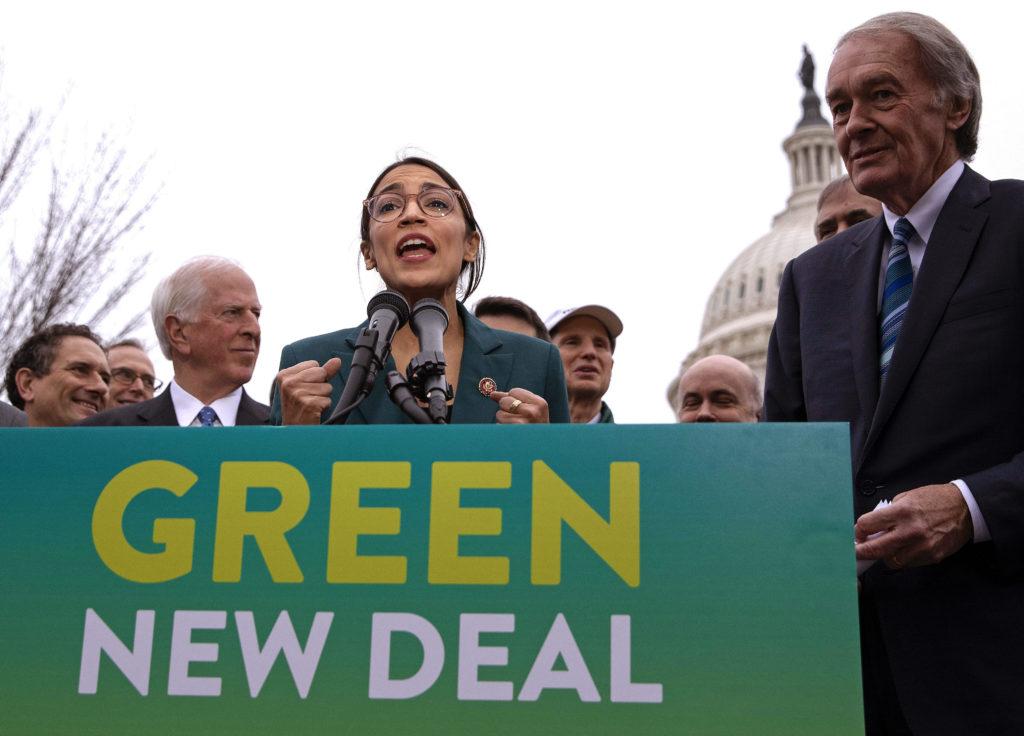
(605, 316)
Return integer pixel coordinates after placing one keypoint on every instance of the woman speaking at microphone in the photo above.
(420, 235)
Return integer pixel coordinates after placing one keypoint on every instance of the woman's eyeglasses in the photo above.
(434, 202)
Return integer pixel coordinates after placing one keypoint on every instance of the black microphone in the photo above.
(429, 321)
(388, 312)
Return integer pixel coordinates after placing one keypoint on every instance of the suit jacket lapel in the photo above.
(481, 358)
(946, 257)
(251, 412)
(863, 265)
(159, 412)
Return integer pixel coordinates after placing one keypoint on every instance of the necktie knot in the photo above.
(207, 416)
(902, 231)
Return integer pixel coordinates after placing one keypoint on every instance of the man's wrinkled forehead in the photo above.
(579, 326)
(873, 60)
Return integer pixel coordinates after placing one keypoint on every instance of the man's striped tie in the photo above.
(899, 280)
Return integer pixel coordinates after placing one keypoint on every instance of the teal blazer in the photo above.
(511, 359)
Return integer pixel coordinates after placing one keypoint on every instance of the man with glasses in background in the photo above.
(132, 377)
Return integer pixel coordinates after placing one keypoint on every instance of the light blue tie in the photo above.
(899, 280)
(207, 416)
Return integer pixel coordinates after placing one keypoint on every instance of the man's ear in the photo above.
(959, 110)
(368, 259)
(25, 379)
(472, 248)
(175, 330)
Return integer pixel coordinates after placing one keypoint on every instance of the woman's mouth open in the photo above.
(416, 248)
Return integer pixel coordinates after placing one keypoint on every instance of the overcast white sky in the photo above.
(620, 153)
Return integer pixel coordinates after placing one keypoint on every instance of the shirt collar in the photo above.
(187, 406)
(925, 211)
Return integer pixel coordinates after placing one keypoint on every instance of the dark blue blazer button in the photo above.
(867, 488)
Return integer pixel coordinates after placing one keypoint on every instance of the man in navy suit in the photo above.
(909, 326)
(206, 315)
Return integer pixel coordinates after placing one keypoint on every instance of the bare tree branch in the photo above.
(75, 266)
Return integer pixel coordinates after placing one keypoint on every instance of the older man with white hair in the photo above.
(908, 327)
(206, 315)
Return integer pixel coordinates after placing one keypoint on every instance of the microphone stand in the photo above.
(360, 378)
(426, 380)
(401, 394)
(388, 311)
(426, 373)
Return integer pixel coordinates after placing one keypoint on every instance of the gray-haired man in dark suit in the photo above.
(908, 326)
(206, 315)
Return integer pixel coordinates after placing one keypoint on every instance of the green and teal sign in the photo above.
(428, 580)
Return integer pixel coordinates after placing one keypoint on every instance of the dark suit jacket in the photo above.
(512, 360)
(11, 416)
(952, 407)
(159, 412)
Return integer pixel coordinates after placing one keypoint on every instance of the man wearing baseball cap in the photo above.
(585, 336)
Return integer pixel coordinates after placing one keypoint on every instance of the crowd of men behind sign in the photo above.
(65, 375)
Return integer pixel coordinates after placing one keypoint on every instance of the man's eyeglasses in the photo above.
(127, 376)
(434, 202)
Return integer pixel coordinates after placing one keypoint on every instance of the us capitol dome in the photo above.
(740, 312)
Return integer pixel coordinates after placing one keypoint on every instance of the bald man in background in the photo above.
(719, 388)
